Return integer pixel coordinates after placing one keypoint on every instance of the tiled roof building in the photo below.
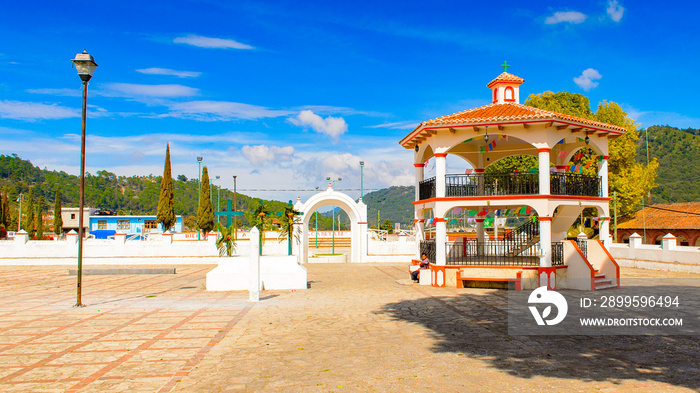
(682, 220)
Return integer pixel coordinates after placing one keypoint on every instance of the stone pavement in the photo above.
(357, 328)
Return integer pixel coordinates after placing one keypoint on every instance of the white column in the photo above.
(480, 233)
(254, 266)
(440, 240)
(419, 230)
(603, 173)
(543, 157)
(419, 178)
(440, 172)
(546, 241)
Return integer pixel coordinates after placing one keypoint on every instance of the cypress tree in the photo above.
(39, 219)
(7, 214)
(2, 209)
(29, 223)
(57, 219)
(166, 202)
(205, 212)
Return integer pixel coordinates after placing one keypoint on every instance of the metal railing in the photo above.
(557, 254)
(492, 184)
(487, 184)
(574, 184)
(426, 188)
(492, 253)
(428, 247)
(583, 246)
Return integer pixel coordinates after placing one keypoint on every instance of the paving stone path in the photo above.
(357, 328)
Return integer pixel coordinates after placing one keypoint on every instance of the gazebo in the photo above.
(548, 198)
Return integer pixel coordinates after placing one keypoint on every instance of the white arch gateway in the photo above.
(356, 211)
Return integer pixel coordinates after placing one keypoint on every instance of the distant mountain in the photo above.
(394, 204)
(678, 152)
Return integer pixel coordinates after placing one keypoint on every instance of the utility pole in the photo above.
(615, 216)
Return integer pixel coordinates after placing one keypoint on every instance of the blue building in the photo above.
(130, 225)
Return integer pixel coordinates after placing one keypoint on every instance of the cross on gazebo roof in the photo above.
(505, 66)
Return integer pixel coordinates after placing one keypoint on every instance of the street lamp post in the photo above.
(85, 65)
(333, 232)
(362, 184)
(199, 188)
(235, 224)
(19, 213)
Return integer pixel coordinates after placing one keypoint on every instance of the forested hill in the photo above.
(394, 204)
(107, 191)
(139, 194)
(678, 152)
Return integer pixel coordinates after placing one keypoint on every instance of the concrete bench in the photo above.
(515, 280)
(424, 276)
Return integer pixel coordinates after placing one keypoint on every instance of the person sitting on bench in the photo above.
(424, 264)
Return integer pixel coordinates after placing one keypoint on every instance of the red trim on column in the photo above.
(439, 219)
(544, 218)
(479, 220)
(606, 157)
(440, 154)
(360, 222)
(418, 165)
(562, 166)
(421, 220)
(478, 171)
(544, 150)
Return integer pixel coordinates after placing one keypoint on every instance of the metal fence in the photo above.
(492, 253)
(557, 254)
(583, 246)
(492, 184)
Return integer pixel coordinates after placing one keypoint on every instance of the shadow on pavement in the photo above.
(475, 325)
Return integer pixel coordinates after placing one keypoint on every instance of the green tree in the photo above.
(3, 227)
(205, 212)
(631, 180)
(7, 215)
(40, 218)
(57, 219)
(29, 223)
(166, 202)
(288, 230)
(261, 219)
(225, 243)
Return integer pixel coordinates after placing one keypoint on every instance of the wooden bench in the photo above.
(516, 281)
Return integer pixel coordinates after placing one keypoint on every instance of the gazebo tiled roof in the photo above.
(671, 217)
(509, 112)
(506, 77)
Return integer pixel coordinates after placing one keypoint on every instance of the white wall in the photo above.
(645, 256)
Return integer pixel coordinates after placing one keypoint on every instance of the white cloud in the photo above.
(587, 78)
(566, 16)
(615, 10)
(331, 126)
(168, 71)
(31, 111)
(58, 92)
(161, 91)
(261, 155)
(210, 42)
(222, 110)
(399, 125)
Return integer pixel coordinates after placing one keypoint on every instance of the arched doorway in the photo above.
(356, 211)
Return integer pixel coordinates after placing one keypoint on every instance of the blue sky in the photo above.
(284, 94)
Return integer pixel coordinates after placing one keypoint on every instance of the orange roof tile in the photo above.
(509, 111)
(656, 218)
(506, 77)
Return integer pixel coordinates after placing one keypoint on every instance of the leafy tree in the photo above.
(29, 223)
(181, 178)
(509, 164)
(226, 241)
(205, 212)
(166, 202)
(7, 215)
(40, 218)
(57, 219)
(388, 226)
(3, 227)
(290, 217)
(261, 219)
(628, 178)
